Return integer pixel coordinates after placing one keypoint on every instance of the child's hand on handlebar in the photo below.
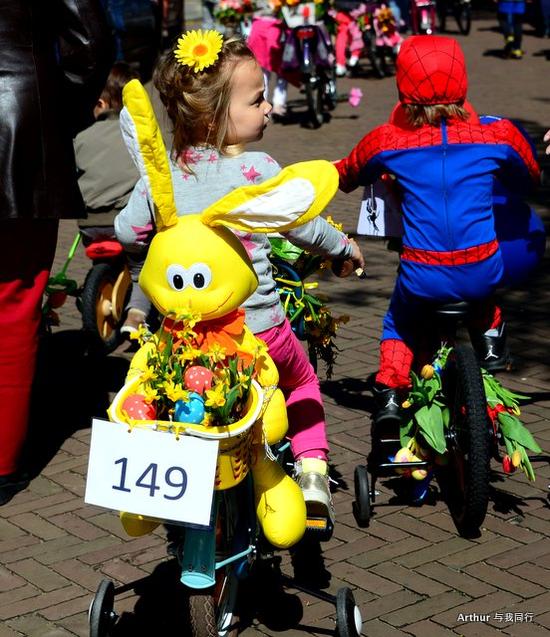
(354, 263)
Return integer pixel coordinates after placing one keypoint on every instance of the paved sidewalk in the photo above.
(410, 571)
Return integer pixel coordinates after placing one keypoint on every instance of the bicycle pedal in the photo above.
(319, 526)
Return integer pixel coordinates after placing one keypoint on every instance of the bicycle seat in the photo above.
(453, 310)
(103, 250)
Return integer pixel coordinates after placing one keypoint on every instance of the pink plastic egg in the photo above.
(137, 409)
(198, 379)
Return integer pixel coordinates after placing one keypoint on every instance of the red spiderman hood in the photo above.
(431, 70)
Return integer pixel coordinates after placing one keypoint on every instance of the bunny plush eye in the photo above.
(199, 275)
(177, 277)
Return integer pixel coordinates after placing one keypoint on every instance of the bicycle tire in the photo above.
(210, 616)
(98, 322)
(329, 90)
(468, 443)
(374, 58)
(463, 16)
(314, 99)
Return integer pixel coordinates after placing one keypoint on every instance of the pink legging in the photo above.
(25, 262)
(300, 385)
(348, 34)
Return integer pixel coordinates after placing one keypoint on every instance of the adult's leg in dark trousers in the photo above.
(25, 263)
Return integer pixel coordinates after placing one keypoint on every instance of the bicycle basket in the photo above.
(234, 439)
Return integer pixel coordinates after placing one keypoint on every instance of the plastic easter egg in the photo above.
(198, 379)
(191, 410)
(138, 409)
(403, 455)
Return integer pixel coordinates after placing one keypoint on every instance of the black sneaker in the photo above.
(388, 403)
(492, 349)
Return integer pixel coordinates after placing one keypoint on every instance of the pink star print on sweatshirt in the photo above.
(251, 173)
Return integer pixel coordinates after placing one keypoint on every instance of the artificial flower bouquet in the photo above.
(233, 12)
(298, 12)
(189, 380)
(426, 417)
(308, 313)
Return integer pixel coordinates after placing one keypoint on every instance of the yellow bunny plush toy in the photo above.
(196, 264)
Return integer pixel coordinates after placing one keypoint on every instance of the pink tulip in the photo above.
(354, 98)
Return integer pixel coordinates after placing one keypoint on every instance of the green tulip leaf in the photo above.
(512, 428)
(430, 422)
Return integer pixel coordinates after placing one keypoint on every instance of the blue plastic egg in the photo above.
(190, 411)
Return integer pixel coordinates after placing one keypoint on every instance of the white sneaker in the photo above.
(311, 474)
(353, 60)
(134, 319)
(278, 112)
(340, 70)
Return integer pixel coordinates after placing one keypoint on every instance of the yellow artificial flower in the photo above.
(242, 378)
(151, 395)
(148, 374)
(199, 49)
(215, 397)
(334, 224)
(142, 334)
(207, 420)
(174, 392)
(216, 353)
(188, 354)
(223, 376)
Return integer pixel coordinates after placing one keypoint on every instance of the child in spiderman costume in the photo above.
(444, 162)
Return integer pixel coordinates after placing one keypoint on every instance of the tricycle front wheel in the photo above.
(212, 612)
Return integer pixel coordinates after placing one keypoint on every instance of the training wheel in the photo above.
(102, 616)
(362, 506)
(348, 616)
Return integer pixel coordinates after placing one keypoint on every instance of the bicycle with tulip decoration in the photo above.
(456, 417)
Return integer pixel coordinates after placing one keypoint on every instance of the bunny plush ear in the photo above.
(143, 138)
(296, 195)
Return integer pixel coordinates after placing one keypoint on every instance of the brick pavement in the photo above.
(411, 573)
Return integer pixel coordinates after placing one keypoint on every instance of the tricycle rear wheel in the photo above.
(101, 616)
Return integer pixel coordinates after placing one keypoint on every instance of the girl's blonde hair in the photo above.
(198, 103)
(432, 114)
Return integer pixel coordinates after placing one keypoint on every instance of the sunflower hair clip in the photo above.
(198, 49)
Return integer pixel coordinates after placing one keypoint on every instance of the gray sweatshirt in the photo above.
(214, 176)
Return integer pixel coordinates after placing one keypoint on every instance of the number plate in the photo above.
(151, 473)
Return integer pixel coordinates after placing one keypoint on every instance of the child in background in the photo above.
(510, 17)
(444, 161)
(213, 90)
(265, 41)
(348, 34)
(106, 177)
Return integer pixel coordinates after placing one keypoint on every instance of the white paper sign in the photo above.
(151, 473)
(380, 214)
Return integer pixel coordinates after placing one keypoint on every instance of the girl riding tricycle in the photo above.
(201, 409)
